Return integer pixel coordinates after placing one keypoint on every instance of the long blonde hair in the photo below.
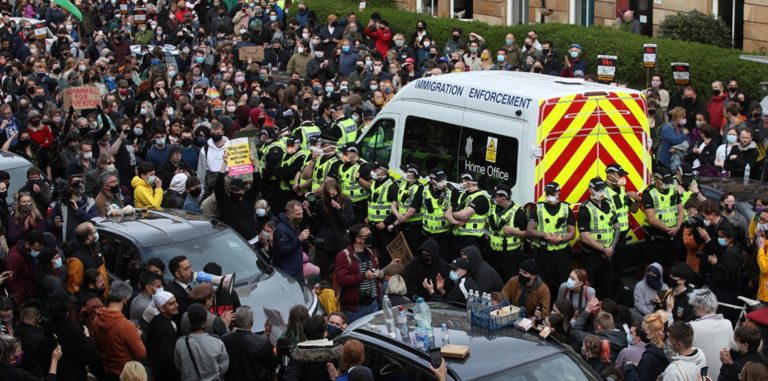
(133, 371)
(17, 213)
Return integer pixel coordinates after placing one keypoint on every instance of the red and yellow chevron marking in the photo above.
(580, 135)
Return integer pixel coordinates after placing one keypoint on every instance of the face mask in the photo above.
(199, 60)
(333, 331)
(87, 155)
(551, 199)
(598, 196)
(154, 61)
(472, 49)
(239, 79)
(700, 123)
(574, 54)
(722, 241)
(160, 141)
(319, 54)
(26, 208)
(217, 138)
(57, 263)
(399, 43)
(523, 279)
(231, 109)
(454, 276)
(427, 44)
(731, 139)
(261, 212)
(171, 74)
(151, 180)
(3, 195)
(34, 253)
(368, 241)
(683, 122)
(509, 41)
(374, 87)
(501, 58)
(368, 63)
(570, 283)
(729, 208)
(138, 131)
(272, 18)
(329, 89)
(143, 111)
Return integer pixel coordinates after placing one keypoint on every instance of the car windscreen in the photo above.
(18, 178)
(226, 248)
(558, 367)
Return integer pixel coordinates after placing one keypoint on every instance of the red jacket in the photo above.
(23, 283)
(347, 277)
(118, 340)
(716, 110)
(383, 37)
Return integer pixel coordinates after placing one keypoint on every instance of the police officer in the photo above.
(382, 194)
(552, 226)
(469, 213)
(407, 207)
(623, 202)
(290, 167)
(663, 218)
(599, 233)
(272, 152)
(323, 160)
(307, 130)
(354, 177)
(346, 127)
(507, 225)
(435, 200)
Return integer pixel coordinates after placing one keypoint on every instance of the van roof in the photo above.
(528, 85)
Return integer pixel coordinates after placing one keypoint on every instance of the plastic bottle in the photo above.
(469, 304)
(402, 324)
(445, 335)
(746, 174)
(389, 316)
(423, 316)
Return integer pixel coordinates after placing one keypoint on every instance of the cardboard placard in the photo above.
(649, 56)
(681, 72)
(256, 53)
(239, 157)
(606, 68)
(40, 31)
(123, 7)
(140, 16)
(399, 249)
(82, 97)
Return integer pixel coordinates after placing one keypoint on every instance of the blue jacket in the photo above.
(287, 251)
(652, 364)
(192, 204)
(669, 138)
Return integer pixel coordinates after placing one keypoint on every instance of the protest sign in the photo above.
(140, 16)
(399, 249)
(239, 157)
(649, 56)
(255, 53)
(606, 68)
(41, 32)
(82, 97)
(681, 72)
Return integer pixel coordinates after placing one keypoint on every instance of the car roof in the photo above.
(487, 347)
(11, 160)
(157, 228)
(744, 193)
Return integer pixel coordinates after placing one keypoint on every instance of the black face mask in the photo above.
(524, 279)
(24, 143)
(217, 138)
(368, 241)
(545, 51)
(235, 196)
(455, 37)
(688, 100)
(115, 189)
(3, 195)
(715, 92)
(733, 89)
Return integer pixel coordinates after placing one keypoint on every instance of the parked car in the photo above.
(16, 166)
(503, 354)
(166, 234)
(715, 187)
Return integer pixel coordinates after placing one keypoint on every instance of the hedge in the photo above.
(708, 63)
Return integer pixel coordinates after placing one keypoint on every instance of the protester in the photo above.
(250, 354)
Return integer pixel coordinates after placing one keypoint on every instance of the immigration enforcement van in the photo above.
(523, 129)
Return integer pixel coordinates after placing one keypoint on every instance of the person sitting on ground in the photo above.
(528, 290)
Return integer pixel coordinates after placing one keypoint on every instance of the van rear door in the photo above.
(581, 134)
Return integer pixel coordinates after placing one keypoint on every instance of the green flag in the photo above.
(66, 4)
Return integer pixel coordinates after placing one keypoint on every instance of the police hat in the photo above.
(615, 168)
(437, 175)
(503, 190)
(687, 171)
(552, 188)
(470, 176)
(331, 135)
(664, 175)
(380, 164)
(351, 147)
(410, 168)
(271, 132)
(597, 184)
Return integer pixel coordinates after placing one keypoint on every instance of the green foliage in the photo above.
(695, 26)
(708, 63)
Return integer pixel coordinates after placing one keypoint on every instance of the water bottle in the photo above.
(402, 324)
(389, 317)
(445, 335)
(423, 317)
(746, 174)
(469, 304)
(522, 313)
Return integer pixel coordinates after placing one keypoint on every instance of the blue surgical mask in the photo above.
(57, 263)
(731, 139)
(34, 253)
(570, 283)
(345, 49)
(722, 241)
(96, 237)
(454, 276)
(501, 58)
(155, 61)
(199, 59)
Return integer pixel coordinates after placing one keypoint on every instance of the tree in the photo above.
(696, 27)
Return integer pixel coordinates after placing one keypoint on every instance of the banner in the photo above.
(649, 56)
(255, 53)
(123, 7)
(239, 157)
(140, 16)
(41, 32)
(82, 97)
(606, 68)
(71, 8)
(681, 72)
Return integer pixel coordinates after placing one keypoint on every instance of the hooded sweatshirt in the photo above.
(210, 161)
(118, 340)
(145, 196)
(418, 269)
(309, 359)
(651, 365)
(487, 278)
(684, 368)
(645, 294)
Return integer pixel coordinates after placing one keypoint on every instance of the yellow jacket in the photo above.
(327, 298)
(762, 263)
(144, 196)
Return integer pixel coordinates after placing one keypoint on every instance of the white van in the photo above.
(520, 128)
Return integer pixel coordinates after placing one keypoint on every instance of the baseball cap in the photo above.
(597, 184)
(615, 168)
(577, 46)
(503, 189)
(471, 176)
(460, 263)
(664, 174)
(410, 168)
(552, 187)
(437, 174)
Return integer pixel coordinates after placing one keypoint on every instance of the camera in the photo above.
(696, 222)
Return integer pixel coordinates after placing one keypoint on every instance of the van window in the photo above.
(493, 156)
(377, 144)
(431, 143)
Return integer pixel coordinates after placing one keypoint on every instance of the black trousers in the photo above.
(555, 265)
(506, 263)
(619, 262)
(413, 234)
(382, 238)
(664, 250)
(360, 209)
(445, 242)
(600, 271)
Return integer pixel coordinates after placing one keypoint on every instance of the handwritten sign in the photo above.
(255, 53)
(681, 72)
(399, 249)
(140, 16)
(123, 7)
(606, 68)
(82, 97)
(239, 157)
(41, 32)
(649, 56)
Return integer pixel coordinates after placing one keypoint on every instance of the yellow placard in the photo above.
(239, 157)
(491, 148)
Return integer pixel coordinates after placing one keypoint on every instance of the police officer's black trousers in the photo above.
(382, 238)
(445, 243)
(360, 209)
(555, 265)
(506, 263)
(600, 271)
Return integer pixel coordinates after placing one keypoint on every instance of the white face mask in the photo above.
(551, 199)
(110, 167)
(231, 108)
(261, 212)
(374, 176)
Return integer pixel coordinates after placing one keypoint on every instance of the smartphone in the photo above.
(435, 357)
